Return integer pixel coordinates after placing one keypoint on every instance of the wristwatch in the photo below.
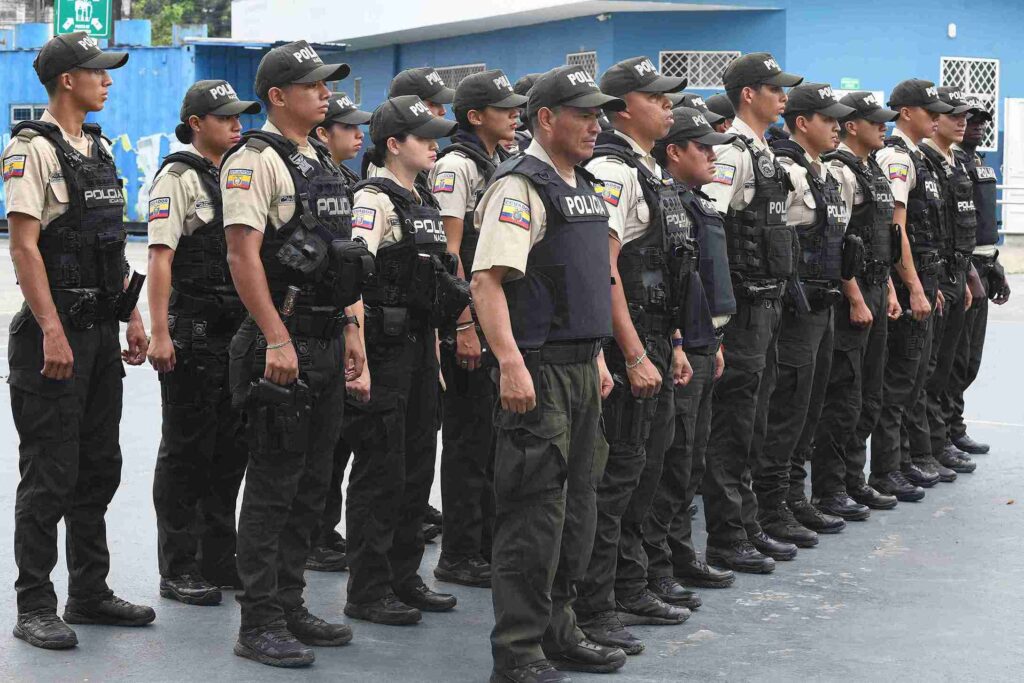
(349, 320)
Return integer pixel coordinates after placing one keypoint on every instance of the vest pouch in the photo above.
(304, 251)
(423, 283)
(779, 244)
(386, 323)
(112, 263)
(853, 257)
(350, 266)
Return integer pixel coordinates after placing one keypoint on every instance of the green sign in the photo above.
(849, 84)
(91, 16)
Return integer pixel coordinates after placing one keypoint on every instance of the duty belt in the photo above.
(760, 291)
(85, 307)
(927, 263)
(653, 324)
(822, 295)
(958, 263)
(876, 272)
(218, 312)
(563, 353)
(325, 324)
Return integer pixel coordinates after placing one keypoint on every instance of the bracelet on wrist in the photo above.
(639, 359)
(462, 327)
(281, 345)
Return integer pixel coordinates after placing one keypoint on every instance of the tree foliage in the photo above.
(165, 13)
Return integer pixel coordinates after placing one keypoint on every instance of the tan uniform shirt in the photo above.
(803, 207)
(33, 182)
(373, 215)
(733, 185)
(257, 188)
(628, 213)
(178, 205)
(455, 180)
(849, 188)
(899, 168)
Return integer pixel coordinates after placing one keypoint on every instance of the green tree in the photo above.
(216, 14)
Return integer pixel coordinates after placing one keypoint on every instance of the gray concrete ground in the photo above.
(929, 590)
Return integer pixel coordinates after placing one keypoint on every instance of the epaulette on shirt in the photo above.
(741, 143)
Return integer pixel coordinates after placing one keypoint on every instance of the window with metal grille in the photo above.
(26, 112)
(588, 60)
(703, 69)
(451, 75)
(976, 77)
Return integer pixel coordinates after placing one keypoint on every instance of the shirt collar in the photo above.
(910, 143)
(931, 143)
(304, 149)
(537, 150)
(740, 127)
(645, 156)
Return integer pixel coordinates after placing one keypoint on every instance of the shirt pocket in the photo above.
(643, 211)
(57, 190)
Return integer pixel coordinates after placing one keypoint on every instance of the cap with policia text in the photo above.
(866, 106)
(74, 50)
(638, 74)
(720, 104)
(694, 101)
(757, 68)
(954, 98)
(407, 114)
(816, 98)
(217, 98)
(691, 124)
(295, 63)
(523, 85)
(915, 92)
(340, 109)
(978, 109)
(423, 82)
(486, 89)
(570, 86)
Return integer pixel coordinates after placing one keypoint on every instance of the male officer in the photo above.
(649, 265)
(720, 105)
(340, 131)
(921, 215)
(287, 212)
(194, 312)
(853, 395)
(750, 189)
(991, 277)
(803, 357)
(687, 154)
(695, 101)
(487, 111)
(541, 291)
(64, 212)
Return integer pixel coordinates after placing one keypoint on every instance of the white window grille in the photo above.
(26, 112)
(703, 69)
(976, 77)
(588, 60)
(451, 75)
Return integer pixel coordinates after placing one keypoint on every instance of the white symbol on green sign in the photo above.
(91, 16)
(849, 84)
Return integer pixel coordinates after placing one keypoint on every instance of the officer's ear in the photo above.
(748, 92)
(393, 145)
(475, 117)
(321, 134)
(193, 123)
(275, 96)
(546, 118)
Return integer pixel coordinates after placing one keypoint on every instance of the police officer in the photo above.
(687, 154)
(921, 215)
(720, 105)
(64, 212)
(393, 435)
(194, 312)
(991, 279)
(540, 287)
(802, 358)
(853, 395)
(287, 212)
(695, 101)
(649, 258)
(523, 134)
(341, 133)
(928, 447)
(750, 189)
(487, 111)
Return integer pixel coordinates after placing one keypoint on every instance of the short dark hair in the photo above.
(51, 85)
(660, 151)
(462, 118)
(379, 152)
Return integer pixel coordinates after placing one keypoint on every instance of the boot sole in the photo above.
(878, 506)
(563, 665)
(324, 642)
(628, 649)
(208, 600)
(973, 451)
(691, 604)
(44, 644)
(833, 530)
(408, 620)
(451, 577)
(321, 567)
(630, 619)
(849, 517)
(73, 618)
(759, 569)
(705, 583)
(245, 651)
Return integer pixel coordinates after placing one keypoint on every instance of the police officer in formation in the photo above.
(64, 212)
(487, 111)
(194, 312)
(720, 105)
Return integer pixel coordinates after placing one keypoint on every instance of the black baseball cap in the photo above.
(954, 98)
(74, 50)
(486, 89)
(341, 109)
(978, 109)
(692, 124)
(915, 92)
(866, 106)
(407, 114)
(818, 98)
(295, 62)
(720, 104)
(570, 86)
(695, 101)
(215, 97)
(637, 74)
(523, 85)
(757, 68)
(424, 82)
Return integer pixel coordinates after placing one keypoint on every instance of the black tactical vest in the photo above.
(469, 145)
(958, 193)
(566, 292)
(84, 247)
(984, 180)
(761, 245)
(871, 220)
(323, 207)
(201, 259)
(821, 243)
(714, 257)
(653, 266)
(926, 220)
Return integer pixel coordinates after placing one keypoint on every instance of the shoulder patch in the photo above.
(609, 191)
(444, 182)
(515, 212)
(238, 179)
(985, 173)
(898, 172)
(363, 217)
(14, 166)
(159, 208)
(724, 174)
